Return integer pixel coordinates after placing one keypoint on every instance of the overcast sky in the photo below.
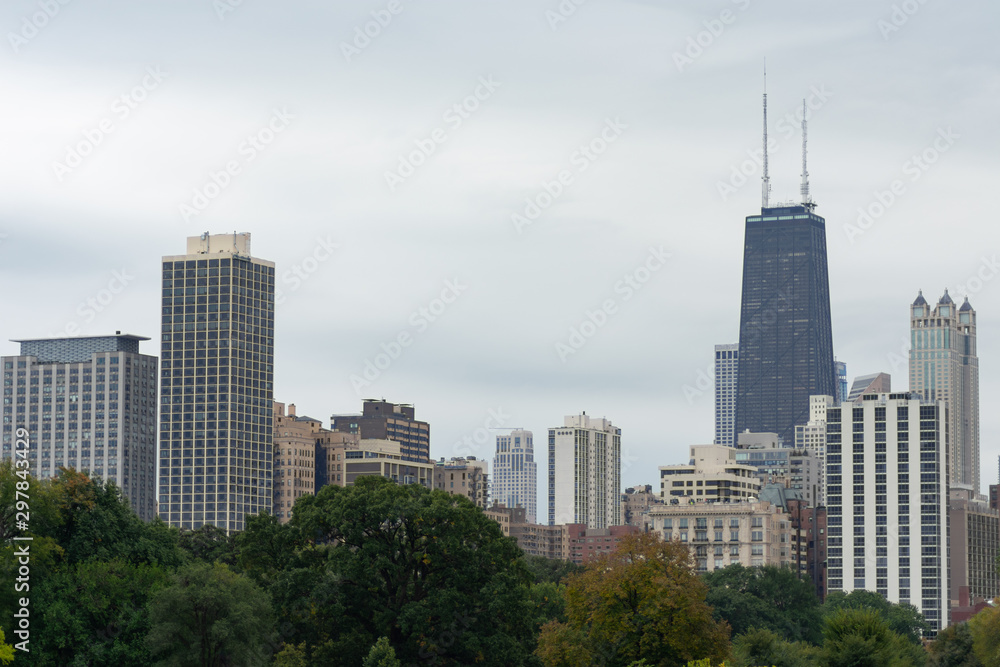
(120, 120)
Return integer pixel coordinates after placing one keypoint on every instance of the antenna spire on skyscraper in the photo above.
(806, 199)
(766, 186)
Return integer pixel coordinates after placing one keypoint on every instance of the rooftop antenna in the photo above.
(766, 186)
(804, 189)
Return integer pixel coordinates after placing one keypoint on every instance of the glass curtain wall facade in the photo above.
(786, 339)
(217, 372)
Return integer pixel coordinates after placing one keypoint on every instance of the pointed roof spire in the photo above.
(804, 188)
(766, 185)
(965, 306)
(920, 301)
(946, 298)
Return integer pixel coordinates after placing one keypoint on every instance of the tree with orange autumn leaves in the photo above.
(642, 602)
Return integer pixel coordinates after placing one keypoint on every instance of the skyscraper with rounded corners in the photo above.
(515, 473)
(217, 384)
(786, 338)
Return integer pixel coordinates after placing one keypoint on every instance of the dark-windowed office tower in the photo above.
(786, 342)
(89, 403)
(217, 360)
(786, 338)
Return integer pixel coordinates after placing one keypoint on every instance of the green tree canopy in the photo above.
(985, 628)
(93, 521)
(903, 619)
(643, 601)
(766, 597)
(210, 616)
(550, 569)
(94, 613)
(760, 646)
(862, 638)
(381, 655)
(6, 650)
(426, 569)
(208, 543)
(953, 648)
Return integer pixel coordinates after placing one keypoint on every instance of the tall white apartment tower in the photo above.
(515, 473)
(585, 472)
(887, 501)
(726, 361)
(944, 366)
(217, 384)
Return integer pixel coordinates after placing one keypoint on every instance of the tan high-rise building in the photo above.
(296, 442)
(722, 534)
(713, 473)
(571, 542)
(466, 476)
(347, 457)
(944, 366)
(636, 502)
(381, 420)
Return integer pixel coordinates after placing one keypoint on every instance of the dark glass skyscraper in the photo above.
(217, 360)
(786, 341)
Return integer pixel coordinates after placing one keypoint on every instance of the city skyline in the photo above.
(357, 262)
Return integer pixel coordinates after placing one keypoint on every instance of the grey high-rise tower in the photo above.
(217, 361)
(786, 339)
(944, 365)
(89, 403)
(726, 362)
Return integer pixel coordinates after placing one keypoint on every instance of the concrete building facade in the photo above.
(975, 546)
(570, 542)
(812, 436)
(887, 501)
(636, 502)
(712, 474)
(515, 473)
(808, 537)
(726, 366)
(585, 472)
(722, 534)
(792, 468)
(464, 476)
(381, 420)
(296, 441)
(349, 457)
(88, 403)
(944, 366)
(217, 381)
